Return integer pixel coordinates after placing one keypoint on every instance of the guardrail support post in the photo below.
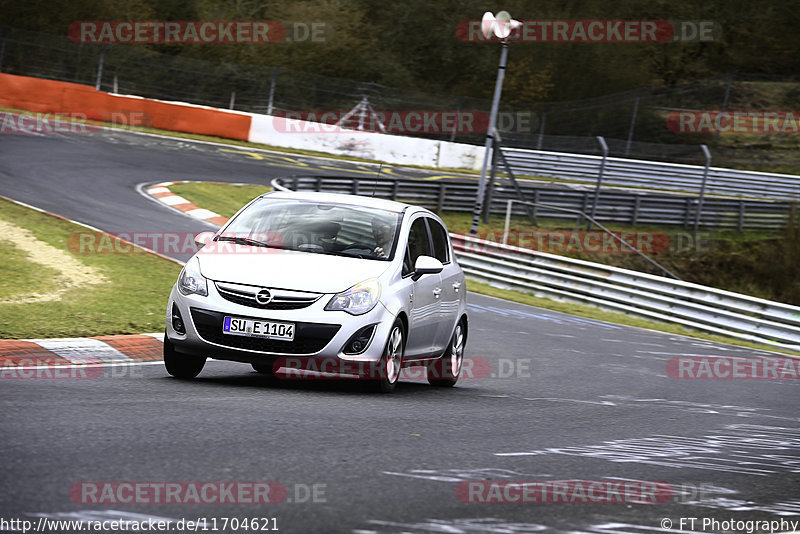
(233, 99)
(541, 131)
(741, 216)
(100, 66)
(633, 125)
(688, 216)
(699, 213)
(458, 119)
(725, 100)
(604, 148)
(272, 83)
(440, 200)
(509, 204)
(3, 45)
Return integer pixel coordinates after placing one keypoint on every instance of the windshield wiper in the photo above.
(239, 240)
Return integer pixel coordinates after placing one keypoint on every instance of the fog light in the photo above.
(177, 320)
(359, 341)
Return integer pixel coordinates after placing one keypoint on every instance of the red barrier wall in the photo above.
(48, 96)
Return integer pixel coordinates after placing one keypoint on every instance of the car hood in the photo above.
(287, 269)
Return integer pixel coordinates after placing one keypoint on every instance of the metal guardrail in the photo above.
(694, 306)
(653, 174)
(635, 208)
(614, 236)
(697, 307)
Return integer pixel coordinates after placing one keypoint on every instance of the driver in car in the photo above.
(382, 231)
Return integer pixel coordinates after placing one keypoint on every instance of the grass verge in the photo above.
(226, 198)
(127, 296)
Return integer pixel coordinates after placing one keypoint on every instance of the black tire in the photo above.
(181, 365)
(266, 370)
(445, 371)
(387, 373)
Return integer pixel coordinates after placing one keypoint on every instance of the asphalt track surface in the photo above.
(553, 397)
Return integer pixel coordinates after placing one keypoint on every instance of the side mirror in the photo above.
(426, 265)
(203, 238)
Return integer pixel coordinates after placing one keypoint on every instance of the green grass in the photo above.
(19, 276)
(226, 199)
(220, 198)
(132, 301)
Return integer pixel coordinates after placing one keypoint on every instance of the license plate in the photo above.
(251, 328)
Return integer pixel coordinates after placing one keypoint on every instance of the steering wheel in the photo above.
(359, 245)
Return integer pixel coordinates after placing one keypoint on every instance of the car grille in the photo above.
(281, 299)
(308, 337)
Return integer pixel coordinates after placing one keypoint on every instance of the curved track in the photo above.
(554, 397)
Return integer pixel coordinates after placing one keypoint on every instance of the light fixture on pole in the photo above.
(501, 27)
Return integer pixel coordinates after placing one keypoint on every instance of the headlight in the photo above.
(190, 281)
(357, 300)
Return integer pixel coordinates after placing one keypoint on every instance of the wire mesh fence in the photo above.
(634, 123)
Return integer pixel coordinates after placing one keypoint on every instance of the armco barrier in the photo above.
(617, 206)
(48, 96)
(653, 174)
(694, 306)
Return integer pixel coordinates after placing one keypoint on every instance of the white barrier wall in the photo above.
(298, 134)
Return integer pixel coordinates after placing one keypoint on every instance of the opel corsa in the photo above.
(318, 284)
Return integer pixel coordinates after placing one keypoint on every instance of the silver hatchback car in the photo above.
(317, 284)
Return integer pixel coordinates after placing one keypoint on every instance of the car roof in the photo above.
(341, 198)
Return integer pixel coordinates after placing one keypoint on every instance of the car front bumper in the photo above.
(319, 342)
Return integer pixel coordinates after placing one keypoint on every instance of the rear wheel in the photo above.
(388, 369)
(181, 365)
(446, 370)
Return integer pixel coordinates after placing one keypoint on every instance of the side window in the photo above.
(441, 251)
(417, 243)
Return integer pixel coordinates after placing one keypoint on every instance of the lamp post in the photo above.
(501, 26)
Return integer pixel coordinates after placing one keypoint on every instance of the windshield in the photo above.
(317, 227)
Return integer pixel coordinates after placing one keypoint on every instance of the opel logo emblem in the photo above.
(263, 296)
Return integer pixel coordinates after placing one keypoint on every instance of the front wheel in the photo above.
(267, 370)
(388, 369)
(446, 370)
(181, 365)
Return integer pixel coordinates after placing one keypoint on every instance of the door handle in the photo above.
(437, 292)
(456, 286)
